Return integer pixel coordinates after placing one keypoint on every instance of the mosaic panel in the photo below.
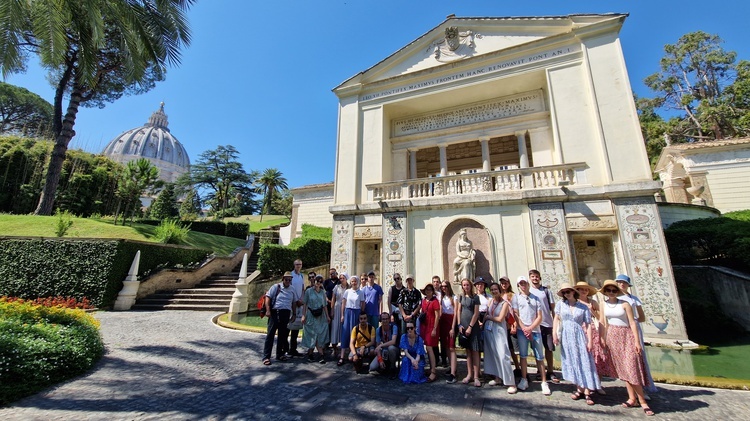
(552, 251)
(341, 245)
(648, 266)
(394, 248)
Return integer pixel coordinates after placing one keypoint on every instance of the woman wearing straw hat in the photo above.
(601, 356)
(623, 281)
(578, 366)
(624, 346)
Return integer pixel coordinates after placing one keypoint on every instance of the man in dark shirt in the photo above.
(328, 285)
(409, 303)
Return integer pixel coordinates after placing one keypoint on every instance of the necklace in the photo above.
(610, 305)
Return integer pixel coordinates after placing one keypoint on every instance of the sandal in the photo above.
(283, 358)
(575, 396)
(341, 362)
(477, 383)
(601, 392)
(628, 404)
(432, 378)
(648, 411)
(466, 380)
(589, 401)
(267, 361)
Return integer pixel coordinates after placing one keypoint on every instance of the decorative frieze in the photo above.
(591, 223)
(367, 232)
(551, 243)
(394, 247)
(342, 242)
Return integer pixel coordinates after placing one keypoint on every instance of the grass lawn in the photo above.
(255, 222)
(44, 226)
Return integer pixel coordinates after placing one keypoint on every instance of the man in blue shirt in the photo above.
(373, 300)
(280, 305)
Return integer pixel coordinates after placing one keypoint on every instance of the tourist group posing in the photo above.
(484, 318)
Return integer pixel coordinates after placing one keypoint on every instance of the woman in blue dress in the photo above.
(578, 366)
(354, 304)
(412, 365)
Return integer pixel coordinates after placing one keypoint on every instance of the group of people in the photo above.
(346, 314)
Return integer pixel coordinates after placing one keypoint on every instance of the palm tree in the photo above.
(96, 51)
(139, 177)
(270, 182)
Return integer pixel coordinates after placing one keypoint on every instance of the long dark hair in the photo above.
(448, 289)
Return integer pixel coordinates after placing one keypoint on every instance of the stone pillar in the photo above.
(443, 160)
(523, 154)
(412, 164)
(395, 254)
(551, 245)
(342, 243)
(647, 264)
(674, 189)
(484, 141)
(126, 297)
(239, 304)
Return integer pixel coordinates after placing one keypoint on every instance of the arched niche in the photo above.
(481, 241)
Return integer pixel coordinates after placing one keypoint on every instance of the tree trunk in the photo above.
(47, 199)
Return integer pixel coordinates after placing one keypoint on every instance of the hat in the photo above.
(287, 274)
(354, 277)
(371, 273)
(480, 280)
(318, 276)
(623, 278)
(430, 286)
(565, 286)
(504, 278)
(521, 279)
(583, 284)
(409, 277)
(611, 283)
(344, 274)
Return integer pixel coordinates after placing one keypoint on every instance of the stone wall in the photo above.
(674, 212)
(731, 288)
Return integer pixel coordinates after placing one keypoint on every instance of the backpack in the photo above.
(262, 301)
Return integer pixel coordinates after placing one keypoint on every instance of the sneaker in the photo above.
(523, 384)
(492, 383)
(545, 389)
(512, 390)
(451, 379)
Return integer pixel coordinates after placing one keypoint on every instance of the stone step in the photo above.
(210, 301)
(192, 307)
(189, 295)
(196, 291)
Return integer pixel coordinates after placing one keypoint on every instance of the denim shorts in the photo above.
(536, 345)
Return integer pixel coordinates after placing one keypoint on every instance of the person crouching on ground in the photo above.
(362, 343)
(412, 365)
(386, 351)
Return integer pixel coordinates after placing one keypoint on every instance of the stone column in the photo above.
(443, 160)
(523, 154)
(395, 251)
(239, 302)
(126, 297)
(412, 164)
(484, 141)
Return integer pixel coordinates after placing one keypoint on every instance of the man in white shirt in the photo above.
(548, 311)
(298, 283)
(528, 312)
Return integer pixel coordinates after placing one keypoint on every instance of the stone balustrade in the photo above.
(509, 180)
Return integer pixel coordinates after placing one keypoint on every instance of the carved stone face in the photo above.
(451, 38)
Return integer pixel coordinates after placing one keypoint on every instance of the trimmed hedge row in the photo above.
(721, 241)
(274, 258)
(93, 269)
(227, 229)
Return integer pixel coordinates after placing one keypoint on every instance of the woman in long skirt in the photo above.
(496, 351)
(601, 356)
(354, 303)
(429, 330)
(624, 346)
(315, 327)
(578, 366)
(447, 329)
(623, 281)
(337, 300)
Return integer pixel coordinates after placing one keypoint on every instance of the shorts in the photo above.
(549, 345)
(536, 345)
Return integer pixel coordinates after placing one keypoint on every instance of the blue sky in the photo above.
(258, 74)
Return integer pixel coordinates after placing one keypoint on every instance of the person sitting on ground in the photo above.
(386, 350)
(412, 364)
(362, 343)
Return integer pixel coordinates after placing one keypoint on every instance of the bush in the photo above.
(321, 233)
(274, 259)
(41, 346)
(64, 222)
(171, 232)
(229, 229)
(719, 241)
(93, 269)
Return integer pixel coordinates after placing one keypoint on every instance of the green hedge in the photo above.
(93, 269)
(720, 241)
(322, 233)
(274, 259)
(41, 346)
(227, 229)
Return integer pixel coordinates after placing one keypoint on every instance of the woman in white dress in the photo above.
(336, 303)
(496, 352)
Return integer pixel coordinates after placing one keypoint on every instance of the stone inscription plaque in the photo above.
(510, 106)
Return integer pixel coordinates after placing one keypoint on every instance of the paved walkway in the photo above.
(177, 365)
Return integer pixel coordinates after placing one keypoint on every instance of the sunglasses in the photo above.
(568, 291)
(409, 327)
(396, 279)
(318, 281)
(612, 290)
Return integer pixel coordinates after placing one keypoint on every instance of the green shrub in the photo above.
(237, 230)
(41, 346)
(274, 259)
(321, 233)
(228, 229)
(720, 241)
(63, 223)
(93, 269)
(171, 231)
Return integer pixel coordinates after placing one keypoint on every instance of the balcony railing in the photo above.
(481, 182)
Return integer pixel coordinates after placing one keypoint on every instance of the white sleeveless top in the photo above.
(615, 314)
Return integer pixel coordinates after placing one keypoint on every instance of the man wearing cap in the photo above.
(548, 311)
(528, 311)
(373, 300)
(280, 302)
(409, 303)
(298, 283)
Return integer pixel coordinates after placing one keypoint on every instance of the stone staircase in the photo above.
(212, 294)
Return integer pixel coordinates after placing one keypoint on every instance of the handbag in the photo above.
(316, 312)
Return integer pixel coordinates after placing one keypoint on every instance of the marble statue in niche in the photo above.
(464, 265)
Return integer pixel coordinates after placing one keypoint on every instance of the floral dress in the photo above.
(315, 329)
(578, 366)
